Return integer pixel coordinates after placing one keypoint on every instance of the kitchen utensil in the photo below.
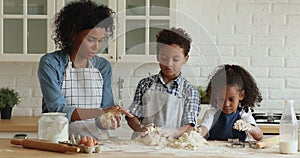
(267, 143)
(35, 144)
(236, 143)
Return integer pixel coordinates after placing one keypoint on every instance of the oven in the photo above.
(269, 122)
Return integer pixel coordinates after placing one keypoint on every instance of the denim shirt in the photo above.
(51, 75)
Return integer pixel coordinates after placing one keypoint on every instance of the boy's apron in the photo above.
(162, 109)
(82, 88)
(223, 127)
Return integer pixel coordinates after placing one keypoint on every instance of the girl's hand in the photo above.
(242, 125)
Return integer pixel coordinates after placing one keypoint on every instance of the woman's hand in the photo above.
(118, 109)
(111, 119)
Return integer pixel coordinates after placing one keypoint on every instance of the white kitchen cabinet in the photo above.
(140, 20)
(25, 30)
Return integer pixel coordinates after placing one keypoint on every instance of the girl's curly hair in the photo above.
(77, 16)
(173, 36)
(235, 75)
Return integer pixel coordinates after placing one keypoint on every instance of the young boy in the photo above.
(167, 99)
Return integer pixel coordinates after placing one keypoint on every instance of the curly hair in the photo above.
(235, 75)
(77, 16)
(174, 36)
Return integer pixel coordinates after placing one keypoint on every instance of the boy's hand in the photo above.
(144, 130)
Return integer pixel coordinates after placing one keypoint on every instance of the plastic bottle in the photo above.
(53, 127)
(288, 129)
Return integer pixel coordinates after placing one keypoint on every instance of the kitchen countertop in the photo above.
(218, 150)
(19, 124)
(30, 124)
(269, 128)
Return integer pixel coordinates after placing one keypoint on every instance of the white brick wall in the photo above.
(261, 35)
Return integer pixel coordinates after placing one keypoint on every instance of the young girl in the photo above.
(232, 91)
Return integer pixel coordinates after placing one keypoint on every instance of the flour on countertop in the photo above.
(189, 144)
(190, 140)
(152, 137)
(212, 148)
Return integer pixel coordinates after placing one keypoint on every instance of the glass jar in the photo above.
(298, 135)
(53, 127)
(288, 129)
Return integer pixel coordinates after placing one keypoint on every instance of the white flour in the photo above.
(190, 140)
(189, 144)
(152, 137)
(209, 149)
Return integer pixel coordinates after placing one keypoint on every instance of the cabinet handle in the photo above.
(111, 57)
(120, 57)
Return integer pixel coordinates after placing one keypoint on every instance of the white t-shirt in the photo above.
(208, 117)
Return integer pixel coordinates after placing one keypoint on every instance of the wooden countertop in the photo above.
(269, 128)
(19, 124)
(266, 128)
(30, 124)
(218, 150)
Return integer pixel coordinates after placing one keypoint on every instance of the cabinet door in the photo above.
(140, 20)
(25, 29)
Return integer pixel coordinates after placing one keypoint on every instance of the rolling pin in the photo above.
(35, 144)
(267, 143)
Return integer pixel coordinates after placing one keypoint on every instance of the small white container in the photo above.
(98, 148)
(89, 149)
(53, 127)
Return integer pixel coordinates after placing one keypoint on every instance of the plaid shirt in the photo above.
(189, 94)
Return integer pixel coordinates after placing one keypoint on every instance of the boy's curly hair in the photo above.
(234, 74)
(77, 16)
(174, 36)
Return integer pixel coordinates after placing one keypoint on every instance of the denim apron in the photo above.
(223, 127)
(82, 88)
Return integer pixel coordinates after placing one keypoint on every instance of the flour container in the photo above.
(53, 127)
